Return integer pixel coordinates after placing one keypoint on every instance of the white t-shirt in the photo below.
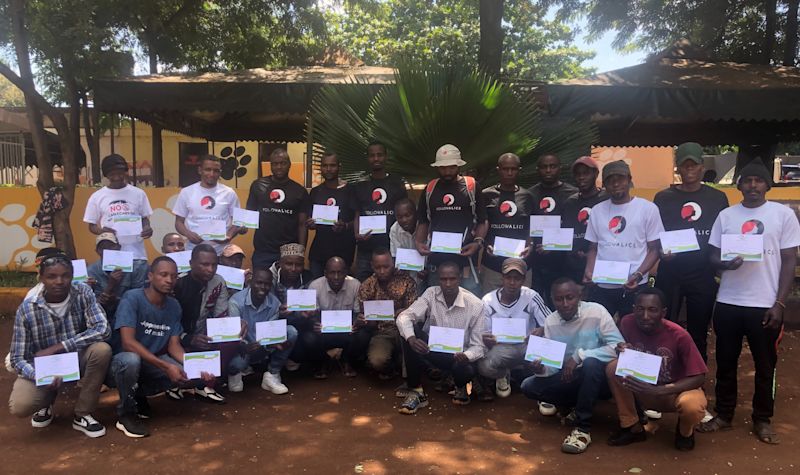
(755, 284)
(107, 203)
(196, 204)
(530, 306)
(623, 231)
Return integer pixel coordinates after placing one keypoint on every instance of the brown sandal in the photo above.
(765, 433)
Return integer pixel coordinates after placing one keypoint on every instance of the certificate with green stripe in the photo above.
(548, 352)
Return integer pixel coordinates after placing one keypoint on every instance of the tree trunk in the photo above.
(155, 136)
(790, 51)
(490, 53)
(770, 7)
(92, 139)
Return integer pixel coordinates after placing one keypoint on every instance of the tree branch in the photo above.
(184, 9)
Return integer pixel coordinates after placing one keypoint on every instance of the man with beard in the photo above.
(578, 209)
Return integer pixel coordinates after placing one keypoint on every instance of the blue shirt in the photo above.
(154, 326)
(241, 305)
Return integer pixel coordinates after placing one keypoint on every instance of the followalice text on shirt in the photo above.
(506, 226)
(619, 244)
(368, 212)
(277, 210)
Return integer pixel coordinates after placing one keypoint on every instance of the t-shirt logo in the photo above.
(617, 224)
(508, 208)
(547, 204)
(691, 211)
(752, 226)
(583, 214)
(379, 196)
(277, 195)
(208, 202)
(331, 201)
(448, 199)
(119, 207)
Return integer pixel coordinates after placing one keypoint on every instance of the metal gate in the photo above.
(12, 159)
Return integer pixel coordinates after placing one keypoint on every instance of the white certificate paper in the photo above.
(510, 330)
(508, 247)
(548, 352)
(181, 259)
(337, 321)
(376, 224)
(300, 300)
(642, 366)
(446, 340)
(64, 365)
(113, 260)
(127, 225)
(202, 361)
(749, 246)
(557, 239)
(245, 218)
(224, 329)
(234, 278)
(681, 240)
(379, 310)
(447, 243)
(212, 229)
(611, 272)
(326, 215)
(409, 259)
(540, 223)
(79, 273)
(271, 332)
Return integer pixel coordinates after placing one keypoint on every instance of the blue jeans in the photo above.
(587, 386)
(133, 377)
(277, 358)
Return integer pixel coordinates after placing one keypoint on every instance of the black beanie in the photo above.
(113, 161)
(755, 168)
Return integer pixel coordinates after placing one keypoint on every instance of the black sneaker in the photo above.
(460, 396)
(413, 402)
(143, 409)
(684, 444)
(132, 427)
(89, 426)
(626, 437)
(43, 417)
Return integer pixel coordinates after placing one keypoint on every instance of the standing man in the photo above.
(577, 210)
(375, 196)
(550, 195)
(282, 205)
(687, 275)
(337, 239)
(452, 204)
(508, 209)
(61, 318)
(752, 298)
(626, 229)
(117, 200)
(203, 202)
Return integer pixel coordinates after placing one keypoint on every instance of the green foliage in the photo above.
(386, 32)
(10, 95)
(17, 278)
(429, 106)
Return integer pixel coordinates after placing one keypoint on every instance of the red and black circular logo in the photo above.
(547, 204)
(331, 201)
(691, 211)
(617, 224)
(208, 202)
(379, 195)
(508, 208)
(752, 226)
(448, 199)
(277, 195)
(583, 215)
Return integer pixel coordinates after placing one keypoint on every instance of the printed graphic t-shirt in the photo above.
(107, 203)
(196, 204)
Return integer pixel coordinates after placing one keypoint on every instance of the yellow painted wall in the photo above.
(651, 167)
(19, 206)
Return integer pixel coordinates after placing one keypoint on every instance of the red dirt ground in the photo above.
(342, 426)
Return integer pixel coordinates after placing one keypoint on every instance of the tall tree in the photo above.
(790, 49)
(490, 53)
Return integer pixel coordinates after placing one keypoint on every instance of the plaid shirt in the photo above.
(37, 327)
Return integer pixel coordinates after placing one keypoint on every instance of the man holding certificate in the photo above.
(120, 208)
(513, 312)
(752, 294)
(256, 305)
(693, 206)
(447, 307)
(623, 242)
(451, 219)
(576, 380)
(61, 318)
(577, 210)
(676, 385)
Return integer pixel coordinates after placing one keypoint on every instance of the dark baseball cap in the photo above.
(618, 167)
(689, 151)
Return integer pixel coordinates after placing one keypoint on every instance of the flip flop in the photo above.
(716, 424)
(765, 433)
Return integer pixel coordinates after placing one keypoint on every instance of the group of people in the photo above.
(132, 329)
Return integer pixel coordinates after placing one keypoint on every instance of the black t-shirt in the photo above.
(278, 206)
(509, 217)
(451, 211)
(549, 201)
(575, 214)
(374, 197)
(684, 210)
(327, 243)
(189, 293)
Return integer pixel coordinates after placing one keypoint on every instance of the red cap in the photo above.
(587, 161)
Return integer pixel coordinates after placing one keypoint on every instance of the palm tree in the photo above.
(429, 106)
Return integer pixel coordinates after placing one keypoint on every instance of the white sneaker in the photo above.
(291, 365)
(707, 417)
(43, 417)
(547, 409)
(272, 382)
(502, 387)
(89, 426)
(652, 415)
(235, 383)
(9, 368)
